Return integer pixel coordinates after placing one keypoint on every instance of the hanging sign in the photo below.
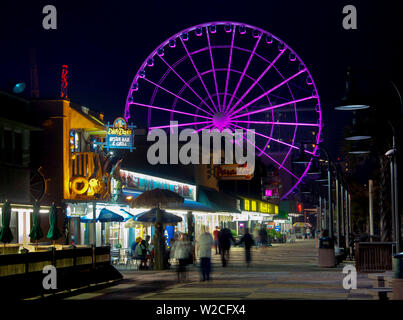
(119, 135)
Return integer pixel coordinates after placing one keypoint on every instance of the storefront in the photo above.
(255, 214)
(196, 215)
(20, 222)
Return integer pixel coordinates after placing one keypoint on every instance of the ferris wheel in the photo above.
(230, 75)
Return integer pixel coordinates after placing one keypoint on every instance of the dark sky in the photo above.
(104, 43)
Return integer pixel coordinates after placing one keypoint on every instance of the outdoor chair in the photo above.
(115, 256)
(131, 260)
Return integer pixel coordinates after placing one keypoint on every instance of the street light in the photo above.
(348, 101)
(357, 150)
(348, 105)
(355, 134)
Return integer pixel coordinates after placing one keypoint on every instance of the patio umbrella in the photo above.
(36, 231)
(162, 198)
(150, 216)
(6, 236)
(53, 232)
(106, 215)
(158, 198)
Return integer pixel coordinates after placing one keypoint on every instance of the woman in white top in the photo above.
(205, 244)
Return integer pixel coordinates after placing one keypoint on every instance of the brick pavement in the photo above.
(284, 271)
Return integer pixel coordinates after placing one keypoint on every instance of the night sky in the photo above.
(104, 43)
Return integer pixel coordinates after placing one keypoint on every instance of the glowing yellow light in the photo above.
(129, 197)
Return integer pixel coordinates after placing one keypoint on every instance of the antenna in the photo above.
(64, 83)
(34, 74)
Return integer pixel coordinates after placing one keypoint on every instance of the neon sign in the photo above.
(119, 135)
(141, 182)
(259, 206)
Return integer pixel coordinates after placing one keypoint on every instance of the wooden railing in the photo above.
(82, 164)
(21, 275)
(373, 256)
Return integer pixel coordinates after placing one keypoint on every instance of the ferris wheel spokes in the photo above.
(191, 89)
(212, 67)
(229, 68)
(269, 91)
(169, 110)
(245, 69)
(271, 107)
(255, 82)
(198, 73)
(189, 124)
(267, 137)
(271, 158)
(178, 96)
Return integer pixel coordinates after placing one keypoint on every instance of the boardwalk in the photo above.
(284, 271)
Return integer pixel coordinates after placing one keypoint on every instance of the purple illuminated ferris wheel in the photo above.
(229, 75)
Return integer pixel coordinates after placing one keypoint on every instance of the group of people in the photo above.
(142, 248)
(182, 251)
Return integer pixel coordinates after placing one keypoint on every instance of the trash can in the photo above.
(397, 281)
(327, 257)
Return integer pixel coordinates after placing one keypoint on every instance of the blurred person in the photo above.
(225, 238)
(248, 242)
(256, 236)
(263, 237)
(216, 242)
(181, 251)
(204, 251)
(141, 252)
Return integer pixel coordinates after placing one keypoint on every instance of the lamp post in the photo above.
(350, 105)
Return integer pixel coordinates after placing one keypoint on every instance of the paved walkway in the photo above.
(284, 271)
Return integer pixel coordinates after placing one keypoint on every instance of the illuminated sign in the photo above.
(141, 182)
(233, 172)
(119, 135)
(299, 207)
(246, 205)
(260, 206)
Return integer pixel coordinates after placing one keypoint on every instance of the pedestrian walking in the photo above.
(248, 242)
(204, 251)
(256, 237)
(225, 238)
(263, 237)
(181, 251)
(216, 233)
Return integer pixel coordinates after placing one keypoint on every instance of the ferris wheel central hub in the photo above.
(220, 120)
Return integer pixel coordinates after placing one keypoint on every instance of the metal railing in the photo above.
(373, 256)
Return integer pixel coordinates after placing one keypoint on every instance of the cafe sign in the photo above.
(119, 135)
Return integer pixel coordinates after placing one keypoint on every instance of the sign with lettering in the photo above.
(233, 172)
(259, 206)
(119, 135)
(141, 182)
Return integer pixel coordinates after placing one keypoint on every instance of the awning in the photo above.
(218, 201)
